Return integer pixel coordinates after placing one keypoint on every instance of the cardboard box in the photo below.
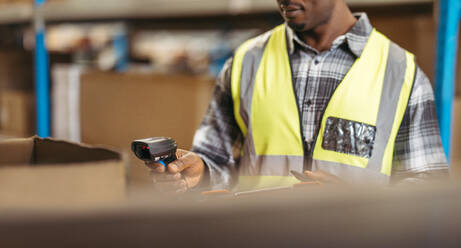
(423, 216)
(45, 172)
(17, 113)
(16, 70)
(17, 104)
(117, 108)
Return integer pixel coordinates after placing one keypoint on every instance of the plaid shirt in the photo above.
(417, 152)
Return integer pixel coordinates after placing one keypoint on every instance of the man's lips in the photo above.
(291, 10)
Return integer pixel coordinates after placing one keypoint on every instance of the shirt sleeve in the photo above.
(218, 140)
(418, 151)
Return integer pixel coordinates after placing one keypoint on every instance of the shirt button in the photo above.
(309, 103)
(309, 143)
(316, 61)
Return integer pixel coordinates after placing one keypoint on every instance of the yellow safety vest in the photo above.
(357, 132)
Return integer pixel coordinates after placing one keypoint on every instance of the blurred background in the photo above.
(122, 70)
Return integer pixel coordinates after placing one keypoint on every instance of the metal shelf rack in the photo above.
(447, 45)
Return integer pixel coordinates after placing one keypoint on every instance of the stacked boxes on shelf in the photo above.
(17, 102)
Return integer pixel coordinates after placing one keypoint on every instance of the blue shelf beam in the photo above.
(121, 48)
(447, 45)
(42, 84)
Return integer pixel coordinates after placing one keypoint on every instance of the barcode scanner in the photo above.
(155, 150)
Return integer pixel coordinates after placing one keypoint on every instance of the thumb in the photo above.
(180, 164)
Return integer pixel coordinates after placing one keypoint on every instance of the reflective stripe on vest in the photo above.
(372, 99)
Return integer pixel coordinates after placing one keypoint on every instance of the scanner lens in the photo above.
(141, 153)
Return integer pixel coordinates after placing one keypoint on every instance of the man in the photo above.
(324, 94)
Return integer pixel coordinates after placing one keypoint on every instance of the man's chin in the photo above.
(298, 27)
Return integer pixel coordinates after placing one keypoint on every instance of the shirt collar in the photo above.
(356, 38)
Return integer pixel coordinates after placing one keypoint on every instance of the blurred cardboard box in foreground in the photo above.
(420, 216)
(117, 108)
(45, 172)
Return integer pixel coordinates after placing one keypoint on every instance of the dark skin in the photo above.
(182, 174)
(318, 23)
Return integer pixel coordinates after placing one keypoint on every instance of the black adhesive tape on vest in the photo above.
(155, 150)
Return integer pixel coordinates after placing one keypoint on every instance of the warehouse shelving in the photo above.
(449, 23)
(15, 13)
(90, 10)
(78, 9)
(68, 10)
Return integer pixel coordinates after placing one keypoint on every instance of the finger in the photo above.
(156, 167)
(303, 185)
(216, 192)
(329, 177)
(186, 160)
(322, 176)
(314, 175)
(165, 177)
(196, 166)
(171, 186)
(180, 153)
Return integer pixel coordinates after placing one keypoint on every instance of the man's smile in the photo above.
(291, 10)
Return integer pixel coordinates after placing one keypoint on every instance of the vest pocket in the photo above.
(349, 137)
